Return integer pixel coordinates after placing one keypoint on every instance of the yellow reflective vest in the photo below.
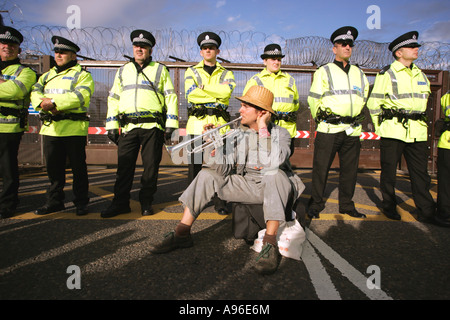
(216, 93)
(343, 94)
(404, 89)
(136, 95)
(71, 90)
(444, 140)
(285, 94)
(15, 95)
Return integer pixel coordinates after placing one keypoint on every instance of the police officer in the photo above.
(16, 81)
(397, 104)
(143, 103)
(443, 165)
(62, 96)
(282, 85)
(337, 96)
(208, 87)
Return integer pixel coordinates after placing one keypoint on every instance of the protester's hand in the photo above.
(263, 119)
(208, 127)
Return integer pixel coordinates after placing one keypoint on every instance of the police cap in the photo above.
(272, 51)
(209, 38)
(344, 34)
(63, 44)
(409, 39)
(143, 38)
(10, 35)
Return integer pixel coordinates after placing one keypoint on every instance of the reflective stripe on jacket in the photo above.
(15, 94)
(285, 93)
(444, 140)
(399, 87)
(134, 95)
(71, 90)
(217, 90)
(341, 93)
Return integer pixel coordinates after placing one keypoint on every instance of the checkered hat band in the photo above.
(143, 40)
(64, 47)
(9, 38)
(209, 41)
(404, 43)
(273, 53)
(344, 37)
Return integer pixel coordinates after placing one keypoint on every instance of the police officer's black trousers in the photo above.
(152, 141)
(57, 150)
(326, 146)
(195, 163)
(9, 148)
(443, 198)
(416, 156)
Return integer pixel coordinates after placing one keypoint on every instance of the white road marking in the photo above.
(320, 279)
(347, 270)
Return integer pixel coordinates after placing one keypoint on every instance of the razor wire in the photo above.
(104, 43)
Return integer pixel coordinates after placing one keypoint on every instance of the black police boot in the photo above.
(49, 209)
(114, 210)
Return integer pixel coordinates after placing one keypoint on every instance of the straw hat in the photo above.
(260, 97)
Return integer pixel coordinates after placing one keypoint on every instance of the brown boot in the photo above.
(268, 259)
(171, 242)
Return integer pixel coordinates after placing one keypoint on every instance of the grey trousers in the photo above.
(271, 190)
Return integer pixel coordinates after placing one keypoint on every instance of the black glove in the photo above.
(168, 135)
(113, 135)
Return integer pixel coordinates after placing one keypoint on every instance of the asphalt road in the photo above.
(63, 257)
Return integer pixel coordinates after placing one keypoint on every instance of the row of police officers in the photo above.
(143, 113)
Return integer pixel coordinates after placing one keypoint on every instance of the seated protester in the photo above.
(254, 169)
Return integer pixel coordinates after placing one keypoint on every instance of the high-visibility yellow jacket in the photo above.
(399, 87)
(444, 140)
(134, 95)
(15, 94)
(285, 94)
(341, 93)
(71, 89)
(216, 93)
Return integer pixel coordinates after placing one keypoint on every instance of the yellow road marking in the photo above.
(163, 212)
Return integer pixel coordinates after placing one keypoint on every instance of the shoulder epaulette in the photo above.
(163, 65)
(386, 68)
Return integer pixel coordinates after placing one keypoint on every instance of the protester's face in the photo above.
(249, 114)
(64, 57)
(141, 53)
(9, 51)
(273, 65)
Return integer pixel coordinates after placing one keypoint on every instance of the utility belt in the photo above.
(285, 116)
(136, 118)
(209, 109)
(329, 117)
(48, 118)
(401, 114)
(22, 114)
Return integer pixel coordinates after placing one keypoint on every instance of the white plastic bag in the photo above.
(290, 240)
